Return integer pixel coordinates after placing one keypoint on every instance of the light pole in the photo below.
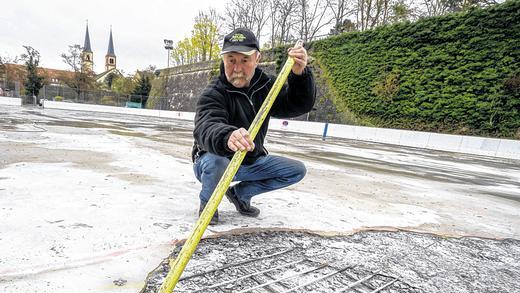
(168, 45)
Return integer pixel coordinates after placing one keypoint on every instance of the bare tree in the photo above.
(81, 78)
(436, 7)
(287, 11)
(232, 17)
(274, 26)
(250, 14)
(340, 10)
(441, 7)
(9, 60)
(281, 18)
(73, 59)
(371, 13)
(312, 18)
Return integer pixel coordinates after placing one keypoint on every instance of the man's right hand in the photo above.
(240, 140)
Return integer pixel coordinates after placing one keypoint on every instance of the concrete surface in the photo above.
(495, 147)
(87, 199)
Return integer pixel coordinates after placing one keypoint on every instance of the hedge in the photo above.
(458, 73)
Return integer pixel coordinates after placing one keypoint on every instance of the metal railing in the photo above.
(99, 97)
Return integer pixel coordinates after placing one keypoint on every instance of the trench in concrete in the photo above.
(368, 261)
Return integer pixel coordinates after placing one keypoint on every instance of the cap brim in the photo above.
(239, 49)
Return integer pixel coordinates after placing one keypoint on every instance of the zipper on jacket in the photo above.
(254, 92)
(250, 99)
(247, 97)
(251, 103)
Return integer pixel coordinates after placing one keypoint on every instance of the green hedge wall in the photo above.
(458, 73)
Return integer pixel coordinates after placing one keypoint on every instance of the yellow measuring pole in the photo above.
(177, 266)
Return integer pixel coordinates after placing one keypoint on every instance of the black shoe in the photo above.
(242, 207)
(214, 219)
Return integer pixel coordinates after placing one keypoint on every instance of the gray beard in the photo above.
(235, 79)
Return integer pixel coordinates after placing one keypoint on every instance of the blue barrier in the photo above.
(133, 105)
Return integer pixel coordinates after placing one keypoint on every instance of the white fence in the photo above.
(504, 148)
(10, 101)
(120, 110)
(495, 147)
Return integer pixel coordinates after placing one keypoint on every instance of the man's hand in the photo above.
(299, 54)
(240, 140)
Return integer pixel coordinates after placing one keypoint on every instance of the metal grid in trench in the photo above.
(288, 270)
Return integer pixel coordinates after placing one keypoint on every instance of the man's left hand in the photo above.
(299, 54)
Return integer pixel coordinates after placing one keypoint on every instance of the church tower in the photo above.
(110, 57)
(87, 56)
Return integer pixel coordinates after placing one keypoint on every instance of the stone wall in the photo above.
(181, 86)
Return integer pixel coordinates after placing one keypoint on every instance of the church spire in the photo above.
(110, 57)
(111, 45)
(86, 44)
(87, 56)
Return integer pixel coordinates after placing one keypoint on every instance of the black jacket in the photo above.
(222, 108)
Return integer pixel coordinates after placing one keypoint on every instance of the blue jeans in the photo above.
(266, 174)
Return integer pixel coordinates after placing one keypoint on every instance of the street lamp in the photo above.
(168, 45)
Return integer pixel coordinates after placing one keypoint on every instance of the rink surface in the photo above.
(87, 199)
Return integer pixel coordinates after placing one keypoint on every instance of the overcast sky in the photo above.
(138, 27)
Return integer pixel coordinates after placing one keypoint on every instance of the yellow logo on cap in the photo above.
(237, 37)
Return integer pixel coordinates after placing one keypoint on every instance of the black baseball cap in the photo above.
(240, 40)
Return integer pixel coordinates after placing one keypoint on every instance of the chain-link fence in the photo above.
(97, 97)
(9, 89)
(178, 101)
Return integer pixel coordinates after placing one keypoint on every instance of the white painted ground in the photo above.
(88, 198)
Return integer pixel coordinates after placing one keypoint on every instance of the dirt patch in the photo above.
(135, 178)
(128, 133)
(83, 124)
(16, 152)
(177, 145)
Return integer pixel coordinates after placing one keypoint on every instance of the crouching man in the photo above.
(226, 109)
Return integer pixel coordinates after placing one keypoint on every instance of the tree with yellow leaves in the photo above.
(203, 43)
